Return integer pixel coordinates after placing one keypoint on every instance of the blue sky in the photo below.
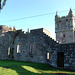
(15, 9)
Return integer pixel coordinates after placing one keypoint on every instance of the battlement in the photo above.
(64, 17)
(65, 27)
(70, 15)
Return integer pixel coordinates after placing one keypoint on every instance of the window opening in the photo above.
(9, 51)
(59, 20)
(31, 47)
(63, 35)
(18, 48)
(48, 55)
(66, 19)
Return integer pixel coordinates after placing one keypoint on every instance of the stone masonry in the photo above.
(35, 46)
(65, 28)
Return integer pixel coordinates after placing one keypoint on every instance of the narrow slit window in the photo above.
(18, 48)
(48, 55)
(9, 51)
(31, 47)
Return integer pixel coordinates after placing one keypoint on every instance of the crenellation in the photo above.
(65, 25)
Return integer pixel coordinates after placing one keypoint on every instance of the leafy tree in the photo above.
(2, 3)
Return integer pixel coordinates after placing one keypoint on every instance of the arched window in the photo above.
(18, 48)
(9, 51)
(48, 55)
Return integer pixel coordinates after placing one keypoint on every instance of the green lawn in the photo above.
(27, 68)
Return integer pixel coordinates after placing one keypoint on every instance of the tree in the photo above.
(2, 4)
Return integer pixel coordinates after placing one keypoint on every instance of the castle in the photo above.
(65, 28)
(38, 46)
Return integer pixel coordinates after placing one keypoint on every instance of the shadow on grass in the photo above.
(27, 68)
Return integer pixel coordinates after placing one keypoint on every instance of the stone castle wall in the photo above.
(34, 47)
(69, 54)
(37, 39)
(43, 44)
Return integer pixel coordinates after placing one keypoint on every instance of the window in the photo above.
(66, 19)
(18, 48)
(63, 35)
(59, 20)
(9, 51)
(48, 55)
(31, 47)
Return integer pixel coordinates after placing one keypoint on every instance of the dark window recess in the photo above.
(31, 48)
(66, 19)
(59, 20)
(63, 35)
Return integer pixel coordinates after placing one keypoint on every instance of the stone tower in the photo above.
(65, 28)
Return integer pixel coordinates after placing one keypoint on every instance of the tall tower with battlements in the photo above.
(65, 28)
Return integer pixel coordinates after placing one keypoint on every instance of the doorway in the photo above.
(60, 59)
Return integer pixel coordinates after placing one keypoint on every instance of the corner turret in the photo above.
(56, 16)
(70, 14)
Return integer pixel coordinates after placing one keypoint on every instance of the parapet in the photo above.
(40, 30)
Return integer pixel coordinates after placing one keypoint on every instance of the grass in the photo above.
(28, 68)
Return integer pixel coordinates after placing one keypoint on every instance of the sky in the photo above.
(20, 13)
